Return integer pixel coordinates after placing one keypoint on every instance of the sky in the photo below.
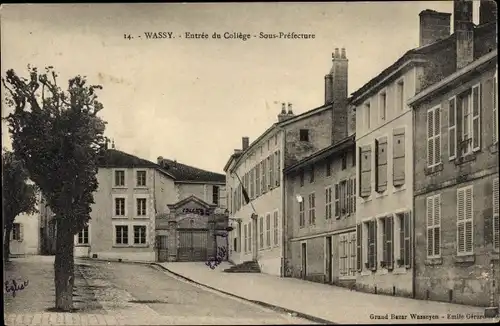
(192, 100)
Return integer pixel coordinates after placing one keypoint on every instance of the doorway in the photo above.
(328, 259)
(304, 260)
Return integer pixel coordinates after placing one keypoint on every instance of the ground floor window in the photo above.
(139, 234)
(347, 254)
(16, 233)
(121, 234)
(83, 236)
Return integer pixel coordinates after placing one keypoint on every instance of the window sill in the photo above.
(119, 217)
(141, 217)
(131, 246)
(382, 271)
(399, 270)
(366, 273)
(399, 188)
(495, 256)
(348, 277)
(119, 187)
(465, 159)
(381, 194)
(494, 148)
(434, 261)
(366, 199)
(140, 187)
(433, 169)
(82, 245)
(464, 258)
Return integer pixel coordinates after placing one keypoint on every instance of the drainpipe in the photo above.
(283, 208)
(412, 215)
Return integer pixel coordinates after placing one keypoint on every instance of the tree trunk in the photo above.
(64, 267)
(6, 241)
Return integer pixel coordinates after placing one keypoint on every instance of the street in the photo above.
(134, 293)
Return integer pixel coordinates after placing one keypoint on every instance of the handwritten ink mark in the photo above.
(14, 287)
(214, 262)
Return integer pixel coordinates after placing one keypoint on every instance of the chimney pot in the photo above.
(245, 142)
(159, 160)
(283, 108)
(290, 109)
(343, 56)
(337, 55)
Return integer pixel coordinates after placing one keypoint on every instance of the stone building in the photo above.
(456, 173)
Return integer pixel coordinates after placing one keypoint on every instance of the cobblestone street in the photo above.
(124, 294)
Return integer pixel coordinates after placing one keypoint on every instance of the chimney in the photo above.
(106, 141)
(434, 26)
(290, 112)
(245, 142)
(336, 93)
(113, 144)
(159, 160)
(464, 32)
(487, 11)
(236, 151)
(283, 114)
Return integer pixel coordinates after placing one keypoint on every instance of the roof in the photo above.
(453, 79)
(277, 125)
(413, 54)
(187, 173)
(324, 153)
(114, 158)
(231, 158)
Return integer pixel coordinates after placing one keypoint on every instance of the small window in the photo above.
(121, 236)
(328, 168)
(344, 161)
(141, 178)
(16, 231)
(215, 194)
(141, 207)
(301, 176)
(83, 236)
(119, 206)
(304, 135)
(119, 178)
(311, 179)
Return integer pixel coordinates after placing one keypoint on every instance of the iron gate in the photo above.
(193, 245)
(162, 246)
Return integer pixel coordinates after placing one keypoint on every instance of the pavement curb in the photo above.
(260, 303)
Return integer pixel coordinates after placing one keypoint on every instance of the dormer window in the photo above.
(304, 134)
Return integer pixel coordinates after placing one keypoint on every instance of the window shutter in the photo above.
(476, 117)
(385, 240)
(398, 157)
(437, 225)
(382, 164)
(375, 244)
(21, 232)
(460, 220)
(271, 171)
(390, 247)
(452, 128)
(348, 208)
(278, 168)
(437, 135)
(469, 234)
(407, 228)
(365, 180)
(496, 214)
(430, 224)
(370, 245)
(263, 178)
(354, 195)
(430, 137)
(359, 239)
(337, 201)
(495, 109)
(377, 153)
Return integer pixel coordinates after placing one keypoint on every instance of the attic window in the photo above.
(304, 134)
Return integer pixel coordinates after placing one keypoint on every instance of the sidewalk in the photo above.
(335, 304)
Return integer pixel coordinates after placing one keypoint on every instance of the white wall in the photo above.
(30, 235)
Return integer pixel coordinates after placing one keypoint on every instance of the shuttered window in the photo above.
(257, 180)
(353, 195)
(328, 203)
(253, 194)
(433, 136)
(465, 225)
(263, 174)
(343, 255)
(268, 230)
(271, 171)
(261, 232)
(343, 197)
(496, 214)
(302, 217)
(434, 226)
(388, 242)
(268, 172)
(337, 201)
(352, 254)
(312, 208)
(277, 228)
(452, 128)
(476, 117)
(495, 108)
(381, 164)
(405, 254)
(398, 157)
(278, 168)
(245, 233)
(372, 245)
(250, 243)
(365, 171)
(359, 241)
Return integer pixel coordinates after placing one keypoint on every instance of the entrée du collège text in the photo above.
(221, 36)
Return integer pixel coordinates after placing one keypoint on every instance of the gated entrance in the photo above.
(193, 245)
(162, 247)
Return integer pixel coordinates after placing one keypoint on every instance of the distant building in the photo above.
(456, 191)
(133, 195)
(258, 168)
(26, 234)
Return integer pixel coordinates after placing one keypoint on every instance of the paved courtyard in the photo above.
(125, 294)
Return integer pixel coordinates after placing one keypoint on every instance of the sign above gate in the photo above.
(199, 211)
